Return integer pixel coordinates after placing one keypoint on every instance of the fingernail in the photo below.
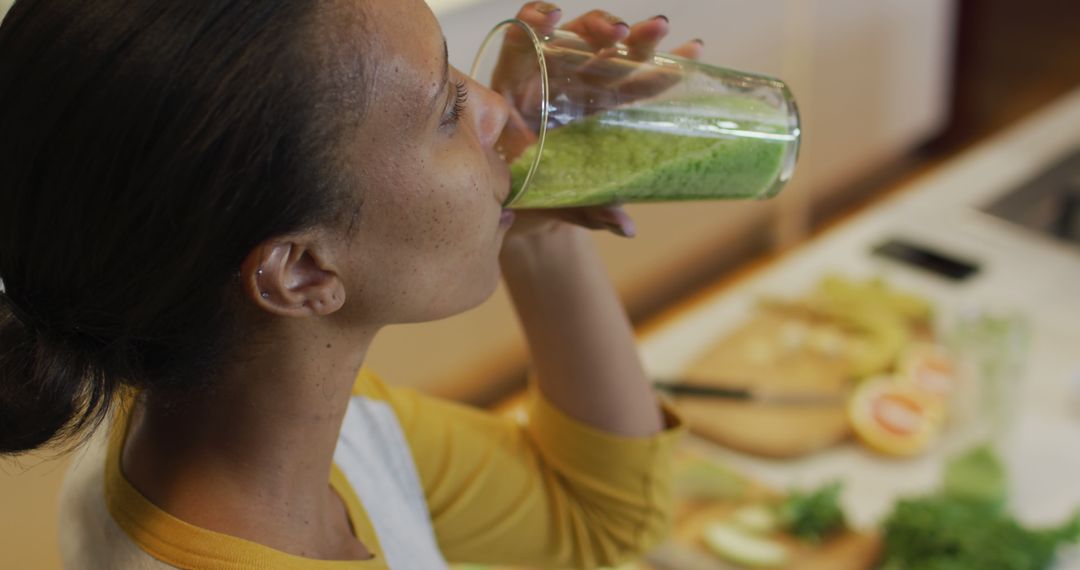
(623, 230)
(661, 17)
(699, 41)
(546, 8)
(617, 21)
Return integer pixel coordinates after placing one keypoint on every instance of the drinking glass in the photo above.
(594, 126)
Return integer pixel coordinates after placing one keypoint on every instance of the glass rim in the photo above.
(538, 47)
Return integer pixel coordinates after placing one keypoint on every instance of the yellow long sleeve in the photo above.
(553, 492)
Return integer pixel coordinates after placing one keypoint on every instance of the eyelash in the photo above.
(460, 97)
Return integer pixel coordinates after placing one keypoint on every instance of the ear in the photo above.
(291, 276)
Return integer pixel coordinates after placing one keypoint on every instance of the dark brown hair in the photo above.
(146, 146)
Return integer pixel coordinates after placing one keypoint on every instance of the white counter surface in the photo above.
(441, 7)
(1021, 271)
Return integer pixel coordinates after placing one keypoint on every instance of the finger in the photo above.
(517, 58)
(645, 36)
(612, 218)
(599, 29)
(658, 79)
(608, 66)
(542, 16)
(691, 49)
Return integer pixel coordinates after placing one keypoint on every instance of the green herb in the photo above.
(813, 515)
(966, 525)
(977, 475)
(949, 533)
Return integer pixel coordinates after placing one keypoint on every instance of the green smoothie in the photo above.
(646, 154)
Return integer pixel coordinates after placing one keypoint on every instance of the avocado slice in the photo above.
(735, 544)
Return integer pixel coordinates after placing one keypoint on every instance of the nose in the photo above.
(492, 113)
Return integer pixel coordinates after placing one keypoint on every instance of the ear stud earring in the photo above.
(258, 273)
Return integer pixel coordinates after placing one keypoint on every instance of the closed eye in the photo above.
(461, 96)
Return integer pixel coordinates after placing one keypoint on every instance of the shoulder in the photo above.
(89, 536)
(369, 387)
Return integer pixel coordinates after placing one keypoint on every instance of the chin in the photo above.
(469, 296)
(482, 293)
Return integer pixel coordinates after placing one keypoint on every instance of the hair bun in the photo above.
(49, 390)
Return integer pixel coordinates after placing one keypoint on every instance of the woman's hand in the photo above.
(602, 31)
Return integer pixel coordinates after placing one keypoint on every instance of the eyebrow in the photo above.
(434, 105)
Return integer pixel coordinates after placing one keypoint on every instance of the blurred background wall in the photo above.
(885, 88)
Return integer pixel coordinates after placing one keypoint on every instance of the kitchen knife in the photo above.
(688, 388)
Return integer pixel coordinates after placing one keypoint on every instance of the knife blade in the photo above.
(689, 388)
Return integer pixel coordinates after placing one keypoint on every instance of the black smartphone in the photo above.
(925, 258)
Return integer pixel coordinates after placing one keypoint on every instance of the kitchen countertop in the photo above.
(1020, 271)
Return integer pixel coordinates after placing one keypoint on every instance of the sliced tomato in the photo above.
(898, 414)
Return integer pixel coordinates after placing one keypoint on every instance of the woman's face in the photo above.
(422, 160)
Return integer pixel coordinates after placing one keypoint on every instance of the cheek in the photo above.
(455, 216)
(441, 219)
(430, 197)
(456, 209)
(429, 232)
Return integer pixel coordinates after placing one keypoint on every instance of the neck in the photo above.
(253, 458)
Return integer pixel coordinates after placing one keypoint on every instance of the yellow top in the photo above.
(551, 491)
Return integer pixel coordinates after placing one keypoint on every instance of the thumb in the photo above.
(612, 218)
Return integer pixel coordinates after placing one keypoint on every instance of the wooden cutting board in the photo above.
(779, 352)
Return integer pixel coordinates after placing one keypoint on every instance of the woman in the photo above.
(211, 207)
